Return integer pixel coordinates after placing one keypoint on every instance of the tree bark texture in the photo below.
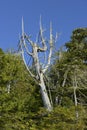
(36, 50)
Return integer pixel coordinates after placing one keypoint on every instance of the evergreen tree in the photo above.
(20, 100)
(21, 106)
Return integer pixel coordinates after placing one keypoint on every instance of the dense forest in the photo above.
(21, 106)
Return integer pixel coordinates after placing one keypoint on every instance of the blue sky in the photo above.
(66, 15)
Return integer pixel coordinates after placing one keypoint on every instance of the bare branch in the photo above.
(25, 61)
(75, 88)
(42, 39)
(65, 77)
(27, 48)
(22, 27)
(25, 36)
(51, 36)
(51, 48)
(28, 39)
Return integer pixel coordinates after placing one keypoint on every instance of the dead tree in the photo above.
(34, 50)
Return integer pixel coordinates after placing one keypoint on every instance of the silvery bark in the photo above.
(39, 70)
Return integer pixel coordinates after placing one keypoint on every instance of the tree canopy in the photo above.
(21, 106)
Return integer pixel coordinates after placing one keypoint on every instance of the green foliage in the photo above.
(11, 68)
(17, 106)
(21, 106)
(71, 69)
(61, 118)
(78, 44)
(69, 73)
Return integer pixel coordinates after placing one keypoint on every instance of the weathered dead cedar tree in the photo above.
(24, 45)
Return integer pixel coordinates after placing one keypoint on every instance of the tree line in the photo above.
(21, 105)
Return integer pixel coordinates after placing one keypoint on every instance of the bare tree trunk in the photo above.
(39, 71)
(75, 87)
(45, 98)
(75, 96)
(40, 74)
